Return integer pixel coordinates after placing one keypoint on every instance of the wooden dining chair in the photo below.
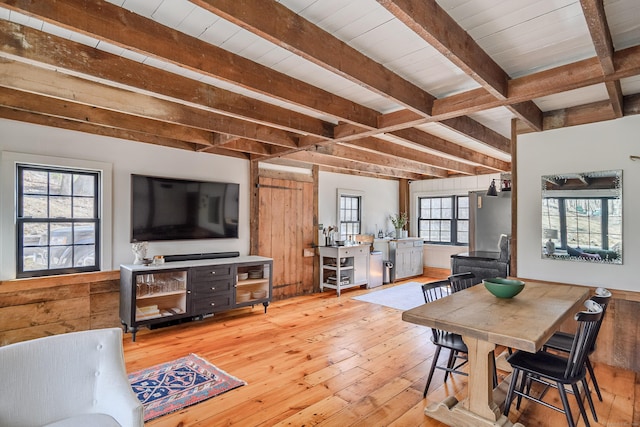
(442, 339)
(555, 371)
(462, 281)
(561, 341)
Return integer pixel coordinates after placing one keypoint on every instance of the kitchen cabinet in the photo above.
(343, 267)
(157, 294)
(405, 254)
(407, 257)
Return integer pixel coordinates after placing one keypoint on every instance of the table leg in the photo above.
(480, 407)
(481, 365)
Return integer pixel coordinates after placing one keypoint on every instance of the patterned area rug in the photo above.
(171, 386)
(401, 297)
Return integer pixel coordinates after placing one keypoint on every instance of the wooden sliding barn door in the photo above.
(282, 227)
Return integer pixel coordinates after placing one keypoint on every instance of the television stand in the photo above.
(156, 295)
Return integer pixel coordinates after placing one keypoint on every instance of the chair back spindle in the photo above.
(462, 281)
(588, 324)
(434, 291)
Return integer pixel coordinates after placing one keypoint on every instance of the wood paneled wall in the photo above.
(34, 308)
(618, 342)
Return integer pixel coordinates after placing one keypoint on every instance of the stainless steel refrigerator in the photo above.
(489, 217)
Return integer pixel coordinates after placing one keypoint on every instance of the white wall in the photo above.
(380, 200)
(126, 157)
(593, 147)
(439, 256)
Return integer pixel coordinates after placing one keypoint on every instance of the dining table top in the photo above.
(524, 322)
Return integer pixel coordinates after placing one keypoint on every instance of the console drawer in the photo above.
(214, 272)
(212, 303)
(202, 288)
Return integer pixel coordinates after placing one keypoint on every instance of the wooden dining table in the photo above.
(524, 322)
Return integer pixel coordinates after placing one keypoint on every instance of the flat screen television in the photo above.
(180, 209)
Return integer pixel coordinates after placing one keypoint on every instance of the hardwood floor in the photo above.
(329, 361)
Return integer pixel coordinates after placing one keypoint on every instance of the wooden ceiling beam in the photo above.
(472, 129)
(59, 122)
(355, 173)
(567, 77)
(432, 142)
(343, 165)
(292, 32)
(20, 42)
(400, 151)
(65, 109)
(374, 158)
(632, 104)
(49, 83)
(248, 146)
(601, 36)
(579, 115)
(589, 113)
(597, 22)
(115, 25)
(465, 126)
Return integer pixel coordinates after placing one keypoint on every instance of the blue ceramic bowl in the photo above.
(503, 288)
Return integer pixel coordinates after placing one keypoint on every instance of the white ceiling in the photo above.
(521, 36)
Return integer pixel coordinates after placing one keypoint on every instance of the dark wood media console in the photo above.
(156, 294)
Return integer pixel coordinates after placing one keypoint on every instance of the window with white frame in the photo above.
(444, 219)
(350, 215)
(57, 220)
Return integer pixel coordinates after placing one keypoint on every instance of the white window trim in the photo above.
(8, 204)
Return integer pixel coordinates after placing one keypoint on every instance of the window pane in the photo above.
(34, 182)
(34, 259)
(463, 232)
(34, 207)
(60, 183)
(84, 233)
(463, 208)
(60, 207)
(84, 185)
(31, 233)
(33, 239)
(84, 256)
(61, 256)
(61, 234)
(83, 207)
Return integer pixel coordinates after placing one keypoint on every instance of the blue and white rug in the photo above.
(174, 385)
(401, 297)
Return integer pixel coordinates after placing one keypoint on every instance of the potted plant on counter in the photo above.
(399, 221)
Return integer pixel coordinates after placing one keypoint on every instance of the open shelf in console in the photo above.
(253, 284)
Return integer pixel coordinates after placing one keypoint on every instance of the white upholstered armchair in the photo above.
(68, 380)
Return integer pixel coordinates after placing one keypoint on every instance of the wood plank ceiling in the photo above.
(410, 89)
